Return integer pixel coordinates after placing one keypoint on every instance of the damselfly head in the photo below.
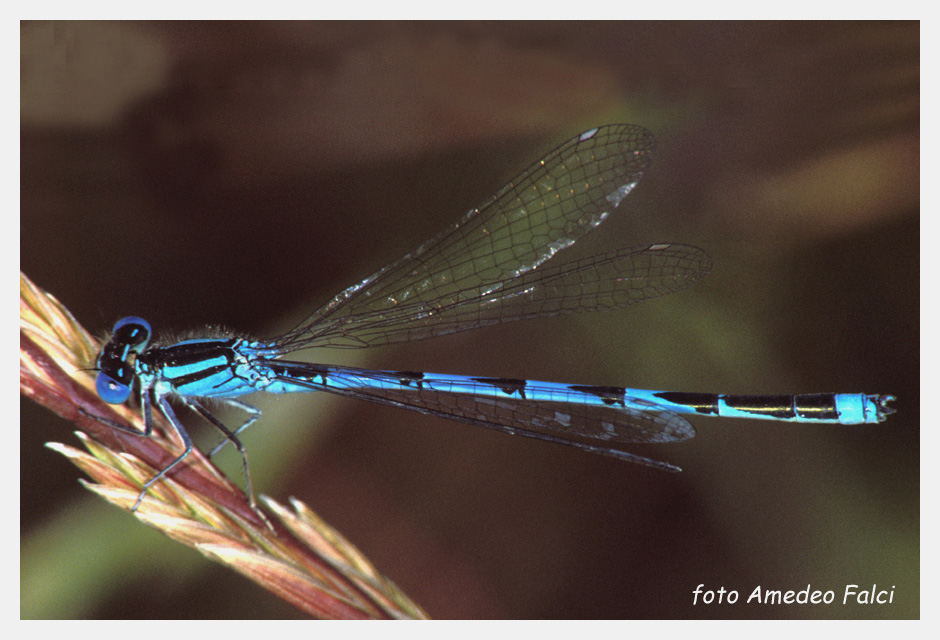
(132, 333)
(129, 337)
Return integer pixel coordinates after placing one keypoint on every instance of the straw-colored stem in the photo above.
(296, 556)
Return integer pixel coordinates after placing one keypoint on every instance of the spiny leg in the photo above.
(148, 428)
(145, 410)
(253, 414)
(117, 425)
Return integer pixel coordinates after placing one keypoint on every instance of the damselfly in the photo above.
(486, 269)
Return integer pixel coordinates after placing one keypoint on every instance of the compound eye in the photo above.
(133, 332)
(111, 390)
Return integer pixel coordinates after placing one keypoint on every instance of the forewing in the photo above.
(485, 257)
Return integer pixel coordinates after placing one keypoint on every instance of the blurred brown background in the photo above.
(239, 174)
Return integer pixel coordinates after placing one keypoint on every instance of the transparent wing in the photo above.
(567, 414)
(485, 268)
(599, 283)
